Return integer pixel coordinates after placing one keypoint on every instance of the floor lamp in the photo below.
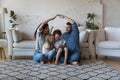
(3, 11)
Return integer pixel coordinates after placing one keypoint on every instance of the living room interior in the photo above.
(99, 46)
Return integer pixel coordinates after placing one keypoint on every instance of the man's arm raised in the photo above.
(67, 18)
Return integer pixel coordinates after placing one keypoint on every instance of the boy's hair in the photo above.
(57, 31)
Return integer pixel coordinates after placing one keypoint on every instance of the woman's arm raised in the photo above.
(46, 21)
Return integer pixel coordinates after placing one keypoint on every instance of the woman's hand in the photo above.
(53, 17)
(67, 18)
(60, 15)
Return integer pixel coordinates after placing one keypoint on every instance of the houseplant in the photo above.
(90, 23)
(13, 19)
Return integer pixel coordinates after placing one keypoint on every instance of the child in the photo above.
(60, 46)
(48, 48)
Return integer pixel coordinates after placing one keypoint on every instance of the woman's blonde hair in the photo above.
(47, 40)
(47, 37)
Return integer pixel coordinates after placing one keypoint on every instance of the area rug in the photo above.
(29, 70)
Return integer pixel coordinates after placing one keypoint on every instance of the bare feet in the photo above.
(65, 62)
(49, 62)
(75, 63)
(42, 62)
(56, 62)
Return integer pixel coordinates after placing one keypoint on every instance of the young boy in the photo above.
(60, 46)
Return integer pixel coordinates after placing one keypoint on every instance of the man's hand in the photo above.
(67, 18)
(60, 15)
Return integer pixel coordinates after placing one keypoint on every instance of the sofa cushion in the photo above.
(84, 45)
(3, 43)
(83, 36)
(81, 28)
(109, 44)
(112, 33)
(29, 44)
(17, 35)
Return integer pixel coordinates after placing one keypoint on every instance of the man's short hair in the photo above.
(68, 23)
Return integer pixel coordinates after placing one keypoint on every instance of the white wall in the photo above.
(31, 13)
(0, 17)
(111, 8)
(111, 12)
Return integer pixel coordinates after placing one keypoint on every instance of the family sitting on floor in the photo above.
(61, 47)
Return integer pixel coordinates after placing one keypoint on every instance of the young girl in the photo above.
(60, 46)
(48, 48)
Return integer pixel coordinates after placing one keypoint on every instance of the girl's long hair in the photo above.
(47, 40)
(44, 26)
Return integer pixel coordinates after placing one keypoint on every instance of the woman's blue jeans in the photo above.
(39, 56)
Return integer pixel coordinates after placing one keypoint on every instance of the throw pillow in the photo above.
(17, 35)
(82, 28)
(83, 35)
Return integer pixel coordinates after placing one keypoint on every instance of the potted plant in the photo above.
(90, 24)
(12, 20)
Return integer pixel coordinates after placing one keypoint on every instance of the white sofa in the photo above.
(108, 42)
(21, 45)
(86, 46)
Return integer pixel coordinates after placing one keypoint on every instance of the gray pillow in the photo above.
(17, 35)
(83, 35)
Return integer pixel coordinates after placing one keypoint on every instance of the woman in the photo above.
(40, 33)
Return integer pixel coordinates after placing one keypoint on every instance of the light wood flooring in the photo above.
(113, 62)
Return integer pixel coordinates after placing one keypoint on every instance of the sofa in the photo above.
(86, 45)
(108, 42)
(23, 44)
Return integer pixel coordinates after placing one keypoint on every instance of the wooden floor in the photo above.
(113, 62)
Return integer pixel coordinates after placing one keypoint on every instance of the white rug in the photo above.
(29, 70)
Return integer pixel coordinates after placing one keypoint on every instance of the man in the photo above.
(71, 37)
